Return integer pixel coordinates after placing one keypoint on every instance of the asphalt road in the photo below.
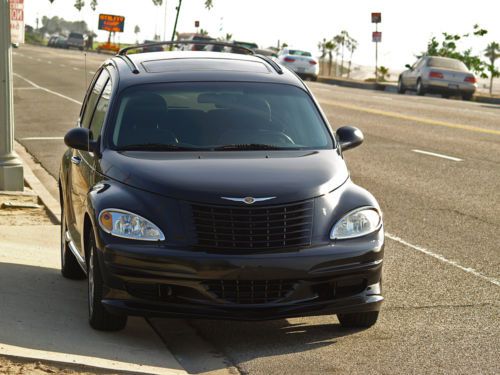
(442, 217)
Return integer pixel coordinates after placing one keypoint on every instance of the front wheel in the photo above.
(99, 317)
(358, 320)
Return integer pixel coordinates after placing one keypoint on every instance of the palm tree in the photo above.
(79, 4)
(344, 39)
(352, 46)
(330, 46)
(492, 52)
(383, 73)
(228, 37)
(203, 32)
(137, 30)
(337, 39)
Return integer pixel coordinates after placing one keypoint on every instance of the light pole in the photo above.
(11, 168)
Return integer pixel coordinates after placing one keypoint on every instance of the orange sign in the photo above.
(110, 22)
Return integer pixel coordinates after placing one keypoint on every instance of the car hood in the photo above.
(206, 177)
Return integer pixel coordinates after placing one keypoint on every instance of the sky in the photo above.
(406, 25)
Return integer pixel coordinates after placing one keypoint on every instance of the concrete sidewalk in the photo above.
(44, 316)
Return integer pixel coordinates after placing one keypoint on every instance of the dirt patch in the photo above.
(22, 209)
(19, 366)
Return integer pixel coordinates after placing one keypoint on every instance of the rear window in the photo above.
(210, 115)
(436, 62)
(75, 36)
(201, 64)
(296, 52)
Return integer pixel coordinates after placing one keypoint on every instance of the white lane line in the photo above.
(437, 155)
(26, 88)
(62, 65)
(381, 97)
(41, 139)
(91, 73)
(443, 259)
(49, 62)
(29, 57)
(48, 90)
(75, 69)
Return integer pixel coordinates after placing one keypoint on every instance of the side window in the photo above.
(93, 97)
(100, 111)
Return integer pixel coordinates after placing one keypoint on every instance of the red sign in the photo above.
(376, 17)
(377, 36)
(17, 21)
(110, 22)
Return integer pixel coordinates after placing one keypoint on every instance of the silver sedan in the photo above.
(438, 75)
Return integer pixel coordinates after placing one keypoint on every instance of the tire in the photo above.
(420, 88)
(314, 78)
(70, 269)
(467, 97)
(358, 320)
(401, 86)
(99, 318)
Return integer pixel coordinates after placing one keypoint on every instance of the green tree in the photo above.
(79, 4)
(447, 47)
(93, 5)
(383, 73)
(228, 37)
(330, 46)
(492, 53)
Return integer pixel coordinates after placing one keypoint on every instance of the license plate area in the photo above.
(453, 86)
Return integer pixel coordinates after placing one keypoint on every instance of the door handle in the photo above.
(76, 160)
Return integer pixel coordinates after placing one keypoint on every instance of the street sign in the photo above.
(376, 17)
(111, 23)
(196, 23)
(377, 36)
(17, 21)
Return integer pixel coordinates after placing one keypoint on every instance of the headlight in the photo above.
(357, 223)
(125, 224)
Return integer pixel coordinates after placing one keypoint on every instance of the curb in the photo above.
(44, 196)
(389, 87)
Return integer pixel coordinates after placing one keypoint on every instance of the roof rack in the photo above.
(271, 62)
(123, 51)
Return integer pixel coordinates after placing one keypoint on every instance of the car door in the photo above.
(81, 166)
(416, 73)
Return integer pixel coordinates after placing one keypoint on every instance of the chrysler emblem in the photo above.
(248, 200)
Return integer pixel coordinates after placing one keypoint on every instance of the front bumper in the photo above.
(153, 280)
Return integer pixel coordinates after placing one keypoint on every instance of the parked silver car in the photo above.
(438, 75)
(301, 62)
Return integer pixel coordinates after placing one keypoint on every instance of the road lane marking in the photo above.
(437, 155)
(75, 68)
(62, 65)
(26, 88)
(441, 258)
(48, 90)
(49, 62)
(410, 118)
(41, 139)
(91, 73)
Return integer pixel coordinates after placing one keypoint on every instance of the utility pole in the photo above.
(176, 19)
(165, 25)
(11, 168)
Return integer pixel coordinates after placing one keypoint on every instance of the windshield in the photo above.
(436, 62)
(218, 116)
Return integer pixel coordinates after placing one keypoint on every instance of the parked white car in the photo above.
(301, 62)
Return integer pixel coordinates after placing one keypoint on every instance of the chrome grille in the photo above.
(253, 228)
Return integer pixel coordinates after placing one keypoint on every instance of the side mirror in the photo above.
(349, 137)
(408, 66)
(79, 139)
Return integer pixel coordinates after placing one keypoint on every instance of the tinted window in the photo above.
(76, 36)
(436, 62)
(100, 111)
(93, 97)
(208, 115)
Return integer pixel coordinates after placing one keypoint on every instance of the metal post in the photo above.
(11, 168)
(376, 56)
(165, 25)
(176, 19)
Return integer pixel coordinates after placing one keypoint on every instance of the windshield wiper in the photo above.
(251, 146)
(157, 147)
